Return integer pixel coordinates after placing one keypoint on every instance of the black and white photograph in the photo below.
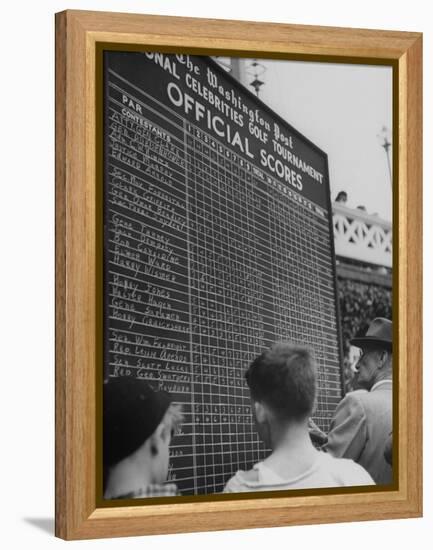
(248, 335)
(216, 275)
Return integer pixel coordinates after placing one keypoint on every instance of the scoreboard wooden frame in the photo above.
(79, 296)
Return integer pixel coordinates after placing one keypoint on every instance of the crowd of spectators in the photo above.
(359, 304)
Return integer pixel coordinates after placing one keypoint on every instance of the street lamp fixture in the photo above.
(385, 142)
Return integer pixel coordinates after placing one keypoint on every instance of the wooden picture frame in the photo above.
(79, 268)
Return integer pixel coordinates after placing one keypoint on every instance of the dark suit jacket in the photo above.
(360, 429)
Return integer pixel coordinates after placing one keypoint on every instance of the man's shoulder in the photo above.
(356, 394)
(366, 402)
(354, 400)
(250, 475)
(345, 471)
(241, 480)
(379, 393)
(361, 396)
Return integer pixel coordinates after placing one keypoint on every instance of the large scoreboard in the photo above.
(217, 243)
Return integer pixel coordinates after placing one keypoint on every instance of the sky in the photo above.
(342, 109)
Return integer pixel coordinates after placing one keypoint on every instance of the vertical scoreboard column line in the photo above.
(187, 172)
(196, 350)
(243, 309)
(317, 330)
(208, 244)
(227, 303)
(198, 148)
(251, 345)
(273, 258)
(276, 226)
(212, 321)
(242, 329)
(249, 309)
(220, 461)
(233, 311)
(216, 364)
(224, 205)
(208, 237)
(257, 448)
(201, 283)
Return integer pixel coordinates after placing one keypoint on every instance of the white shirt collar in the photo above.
(388, 381)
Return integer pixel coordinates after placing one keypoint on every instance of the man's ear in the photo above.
(162, 432)
(158, 437)
(383, 358)
(260, 411)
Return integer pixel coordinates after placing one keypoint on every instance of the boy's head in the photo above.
(282, 382)
(137, 420)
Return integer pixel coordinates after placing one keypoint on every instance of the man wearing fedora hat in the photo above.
(362, 421)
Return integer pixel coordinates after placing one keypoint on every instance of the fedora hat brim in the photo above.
(370, 340)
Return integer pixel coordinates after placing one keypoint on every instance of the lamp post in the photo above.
(385, 142)
(256, 70)
(249, 75)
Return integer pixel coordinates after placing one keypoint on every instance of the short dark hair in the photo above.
(132, 411)
(284, 378)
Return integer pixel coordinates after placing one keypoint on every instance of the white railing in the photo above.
(361, 236)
